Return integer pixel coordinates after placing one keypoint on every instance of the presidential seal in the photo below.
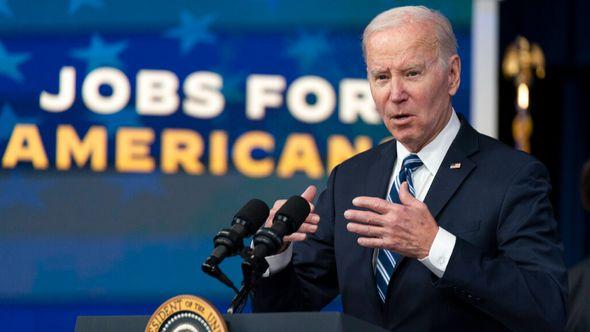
(186, 313)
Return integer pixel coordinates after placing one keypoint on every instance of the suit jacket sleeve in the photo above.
(309, 282)
(523, 284)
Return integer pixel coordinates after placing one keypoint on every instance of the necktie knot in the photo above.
(412, 162)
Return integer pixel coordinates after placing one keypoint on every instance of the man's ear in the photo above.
(454, 74)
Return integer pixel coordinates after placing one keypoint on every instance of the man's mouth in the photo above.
(401, 117)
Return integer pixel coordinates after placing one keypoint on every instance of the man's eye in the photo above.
(381, 77)
(412, 73)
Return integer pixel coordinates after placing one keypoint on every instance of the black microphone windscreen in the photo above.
(255, 213)
(296, 209)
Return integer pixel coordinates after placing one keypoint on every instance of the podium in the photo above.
(284, 322)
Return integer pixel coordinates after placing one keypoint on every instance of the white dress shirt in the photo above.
(432, 156)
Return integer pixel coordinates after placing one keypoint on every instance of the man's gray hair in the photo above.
(392, 18)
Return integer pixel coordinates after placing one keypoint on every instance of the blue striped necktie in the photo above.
(386, 259)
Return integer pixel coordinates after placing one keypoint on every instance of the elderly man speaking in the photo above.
(441, 229)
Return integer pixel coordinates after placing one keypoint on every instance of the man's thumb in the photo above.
(405, 197)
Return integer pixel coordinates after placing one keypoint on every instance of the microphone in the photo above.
(228, 241)
(287, 220)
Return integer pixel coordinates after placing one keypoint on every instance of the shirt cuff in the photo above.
(277, 262)
(440, 252)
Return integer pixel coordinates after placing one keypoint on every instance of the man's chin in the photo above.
(408, 142)
(403, 135)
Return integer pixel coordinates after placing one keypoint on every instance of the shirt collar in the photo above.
(434, 152)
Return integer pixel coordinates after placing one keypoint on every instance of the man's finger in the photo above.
(405, 197)
(368, 217)
(309, 193)
(307, 228)
(295, 237)
(370, 242)
(372, 203)
(364, 229)
(278, 203)
(268, 221)
(312, 218)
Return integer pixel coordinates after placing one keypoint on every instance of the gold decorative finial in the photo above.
(521, 61)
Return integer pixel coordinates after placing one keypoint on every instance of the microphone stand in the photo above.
(250, 268)
(211, 268)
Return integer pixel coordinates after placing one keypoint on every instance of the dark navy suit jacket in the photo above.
(506, 271)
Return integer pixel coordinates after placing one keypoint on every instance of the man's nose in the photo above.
(398, 91)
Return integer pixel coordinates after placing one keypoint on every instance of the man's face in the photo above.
(411, 87)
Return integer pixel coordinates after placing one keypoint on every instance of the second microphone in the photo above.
(268, 240)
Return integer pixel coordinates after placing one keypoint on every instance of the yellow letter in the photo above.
(93, 147)
(242, 154)
(25, 145)
(300, 154)
(182, 147)
(218, 152)
(339, 148)
(133, 149)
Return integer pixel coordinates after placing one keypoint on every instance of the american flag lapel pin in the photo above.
(455, 166)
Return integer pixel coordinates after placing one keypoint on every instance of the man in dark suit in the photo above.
(440, 229)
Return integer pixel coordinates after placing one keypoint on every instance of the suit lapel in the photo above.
(448, 179)
(380, 171)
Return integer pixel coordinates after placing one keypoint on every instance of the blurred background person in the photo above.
(579, 275)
